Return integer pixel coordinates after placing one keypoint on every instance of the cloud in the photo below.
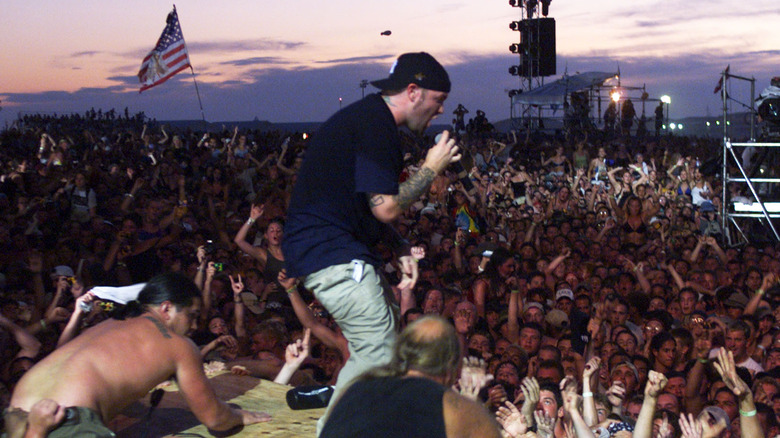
(85, 53)
(128, 80)
(263, 44)
(256, 60)
(765, 53)
(356, 59)
(642, 23)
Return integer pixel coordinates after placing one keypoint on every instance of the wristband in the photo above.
(292, 289)
(129, 195)
(748, 413)
(514, 291)
(250, 221)
(760, 291)
(704, 361)
(43, 324)
(238, 301)
(587, 394)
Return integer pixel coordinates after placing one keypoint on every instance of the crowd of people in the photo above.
(601, 260)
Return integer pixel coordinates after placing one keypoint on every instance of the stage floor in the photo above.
(172, 417)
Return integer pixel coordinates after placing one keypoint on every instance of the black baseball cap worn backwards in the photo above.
(416, 68)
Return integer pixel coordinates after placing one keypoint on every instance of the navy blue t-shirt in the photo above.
(329, 221)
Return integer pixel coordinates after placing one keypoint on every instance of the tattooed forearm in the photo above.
(411, 189)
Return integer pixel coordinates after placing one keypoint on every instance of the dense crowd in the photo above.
(601, 259)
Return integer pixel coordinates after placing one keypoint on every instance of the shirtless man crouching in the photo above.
(108, 367)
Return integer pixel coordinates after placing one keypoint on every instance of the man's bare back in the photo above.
(105, 369)
(115, 363)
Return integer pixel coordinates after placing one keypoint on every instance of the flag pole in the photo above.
(197, 91)
(202, 114)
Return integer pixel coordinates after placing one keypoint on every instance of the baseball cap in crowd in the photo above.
(706, 206)
(557, 319)
(63, 271)
(737, 299)
(713, 415)
(764, 312)
(564, 293)
(533, 304)
(416, 68)
(251, 302)
(628, 365)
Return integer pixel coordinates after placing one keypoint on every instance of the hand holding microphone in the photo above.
(442, 154)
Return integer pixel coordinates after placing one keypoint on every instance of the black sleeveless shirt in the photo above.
(389, 407)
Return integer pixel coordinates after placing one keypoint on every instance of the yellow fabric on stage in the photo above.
(172, 418)
(269, 397)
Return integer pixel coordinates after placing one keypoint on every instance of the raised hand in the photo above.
(286, 282)
(84, 302)
(237, 286)
(665, 430)
(571, 399)
(513, 422)
(655, 384)
(298, 351)
(616, 394)
(497, 395)
(544, 424)
(409, 272)
(690, 426)
(530, 388)
(591, 368)
(473, 377)
(256, 211)
(418, 252)
(461, 320)
(725, 366)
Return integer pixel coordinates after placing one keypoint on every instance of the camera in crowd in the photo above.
(210, 247)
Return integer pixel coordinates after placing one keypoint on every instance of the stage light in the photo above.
(514, 48)
(672, 126)
(514, 70)
(514, 3)
(515, 25)
(513, 93)
(546, 7)
(680, 126)
(666, 99)
(615, 96)
(717, 122)
(708, 123)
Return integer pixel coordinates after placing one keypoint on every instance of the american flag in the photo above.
(167, 58)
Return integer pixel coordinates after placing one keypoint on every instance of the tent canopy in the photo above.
(554, 93)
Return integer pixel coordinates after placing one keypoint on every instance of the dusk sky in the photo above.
(289, 61)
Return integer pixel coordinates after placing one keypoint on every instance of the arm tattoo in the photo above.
(160, 327)
(376, 200)
(411, 189)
